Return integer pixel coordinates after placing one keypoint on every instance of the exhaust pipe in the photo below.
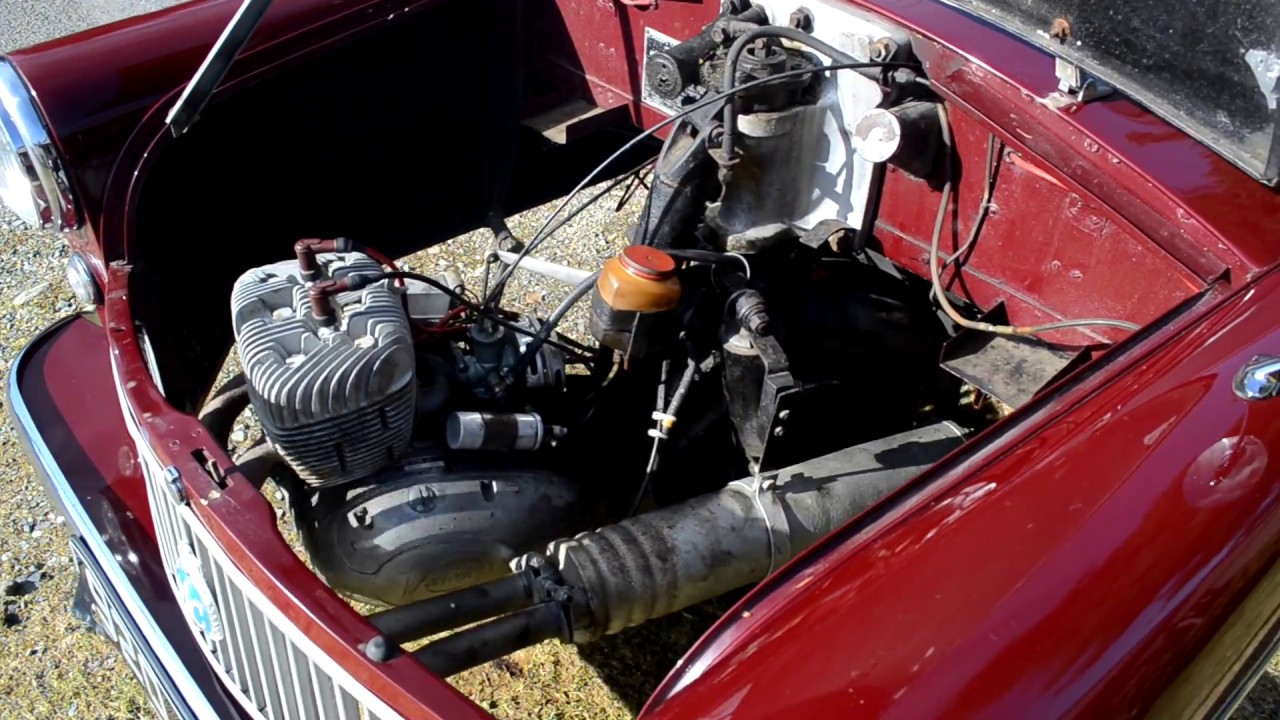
(660, 562)
(606, 580)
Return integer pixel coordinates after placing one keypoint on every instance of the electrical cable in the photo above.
(988, 187)
(540, 338)
(665, 421)
(549, 325)
(582, 288)
(935, 273)
(378, 256)
(731, 70)
(562, 343)
(651, 131)
(527, 250)
(410, 275)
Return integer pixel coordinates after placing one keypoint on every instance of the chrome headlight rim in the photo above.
(24, 136)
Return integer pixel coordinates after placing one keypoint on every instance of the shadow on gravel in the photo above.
(634, 661)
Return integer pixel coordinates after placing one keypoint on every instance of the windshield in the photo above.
(1209, 67)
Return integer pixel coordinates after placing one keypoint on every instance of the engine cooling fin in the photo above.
(336, 401)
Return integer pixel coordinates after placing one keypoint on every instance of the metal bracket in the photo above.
(1075, 86)
(775, 396)
(1011, 369)
(173, 486)
(763, 490)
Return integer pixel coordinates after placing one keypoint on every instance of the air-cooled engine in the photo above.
(336, 399)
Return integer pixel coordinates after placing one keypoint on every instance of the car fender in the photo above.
(1081, 573)
(95, 87)
(63, 403)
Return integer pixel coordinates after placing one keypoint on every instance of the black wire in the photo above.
(703, 256)
(500, 287)
(651, 131)
(549, 325)
(410, 275)
(731, 70)
(634, 172)
(476, 307)
(570, 352)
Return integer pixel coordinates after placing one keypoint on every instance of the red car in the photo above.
(948, 329)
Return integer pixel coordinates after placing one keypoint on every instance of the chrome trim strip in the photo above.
(78, 518)
(55, 201)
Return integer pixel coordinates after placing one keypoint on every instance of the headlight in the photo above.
(32, 181)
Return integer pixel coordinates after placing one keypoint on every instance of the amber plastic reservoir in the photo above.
(641, 279)
(633, 287)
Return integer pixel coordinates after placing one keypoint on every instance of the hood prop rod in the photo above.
(186, 111)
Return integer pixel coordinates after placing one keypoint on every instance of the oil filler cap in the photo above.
(648, 262)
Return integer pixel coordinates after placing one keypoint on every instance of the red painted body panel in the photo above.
(241, 520)
(1047, 251)
(58, 385)
(1073, 575)
(64, 381)
(96, 86)
(1167, 184)
(1040, 576)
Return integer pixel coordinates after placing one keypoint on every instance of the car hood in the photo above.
(1210, 68)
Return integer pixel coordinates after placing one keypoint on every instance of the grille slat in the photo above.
(250, 682)
(258, 640)
(348, 707)
(299, 671)
(223, 653)
(166, 527)
(275, 651)
(323, 688)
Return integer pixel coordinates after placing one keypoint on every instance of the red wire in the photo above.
(449, 317)
(441, 326)
(384, 260)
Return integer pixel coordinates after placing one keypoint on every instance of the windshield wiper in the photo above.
(186, 111)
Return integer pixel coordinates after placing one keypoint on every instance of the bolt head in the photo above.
(801, 19)
(882, 50)
(779, 431)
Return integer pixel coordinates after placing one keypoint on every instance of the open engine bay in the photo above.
(762, 369)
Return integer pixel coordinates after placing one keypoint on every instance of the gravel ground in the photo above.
(51, 666)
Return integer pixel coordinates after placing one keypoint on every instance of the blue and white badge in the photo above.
(194, 596)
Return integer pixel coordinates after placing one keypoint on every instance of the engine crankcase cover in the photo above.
(419, 529)
(337, 401)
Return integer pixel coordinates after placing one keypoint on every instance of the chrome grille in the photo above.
(272, 667)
